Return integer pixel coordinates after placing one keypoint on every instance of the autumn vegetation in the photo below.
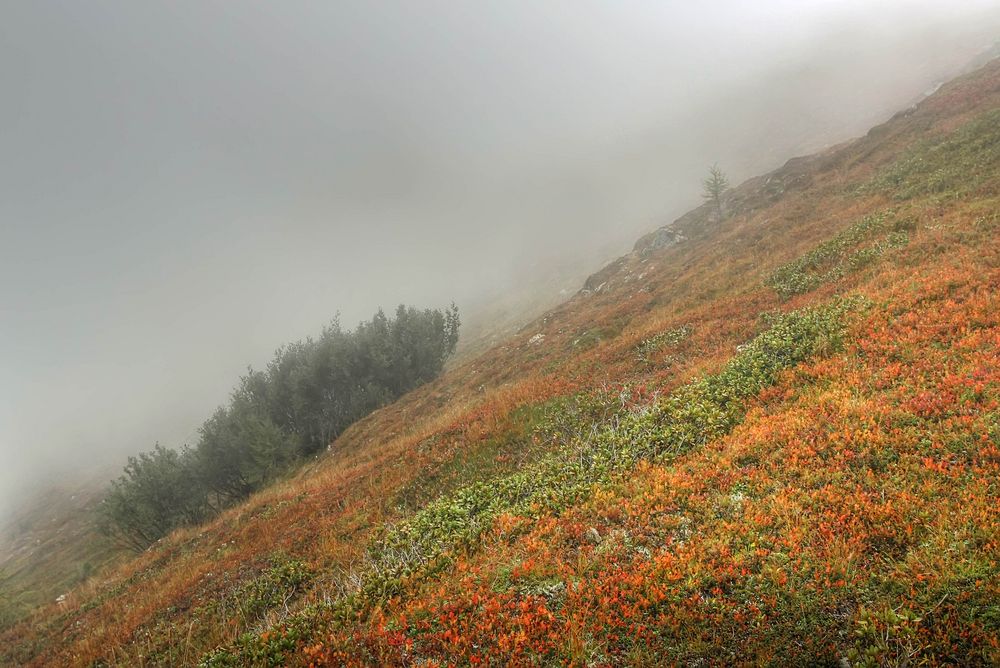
(775, 442)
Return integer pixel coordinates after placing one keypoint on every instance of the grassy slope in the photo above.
(53, 545)
(851, 508)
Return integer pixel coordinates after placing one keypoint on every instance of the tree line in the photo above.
(308, 394)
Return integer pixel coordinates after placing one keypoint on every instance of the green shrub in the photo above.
(274, 587)
(649, 347)
(839, 256)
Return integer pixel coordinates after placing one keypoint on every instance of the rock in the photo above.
(657, 239)
(596, 281)
(593, 536)
(536, 339)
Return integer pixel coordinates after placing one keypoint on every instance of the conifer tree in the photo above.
(714, 186)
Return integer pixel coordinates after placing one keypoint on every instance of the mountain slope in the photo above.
(675, 471)
(53, 544)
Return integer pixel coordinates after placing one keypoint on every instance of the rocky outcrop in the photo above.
(657, 239)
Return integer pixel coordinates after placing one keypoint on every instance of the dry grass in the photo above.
(162, 608)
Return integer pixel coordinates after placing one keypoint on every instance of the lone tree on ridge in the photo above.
(715, 184)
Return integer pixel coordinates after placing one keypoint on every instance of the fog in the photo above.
(186, 185)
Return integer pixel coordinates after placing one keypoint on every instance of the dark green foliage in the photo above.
(314, 389)
(156, 493)
(240, 449)
(310, 392)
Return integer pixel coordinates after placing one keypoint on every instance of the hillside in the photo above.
(773, 437)
(53, 544)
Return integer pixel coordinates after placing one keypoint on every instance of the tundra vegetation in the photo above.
(785, 450)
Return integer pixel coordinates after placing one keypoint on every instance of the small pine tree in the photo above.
(715, 184)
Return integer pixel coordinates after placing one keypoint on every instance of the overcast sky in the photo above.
(185, 185)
